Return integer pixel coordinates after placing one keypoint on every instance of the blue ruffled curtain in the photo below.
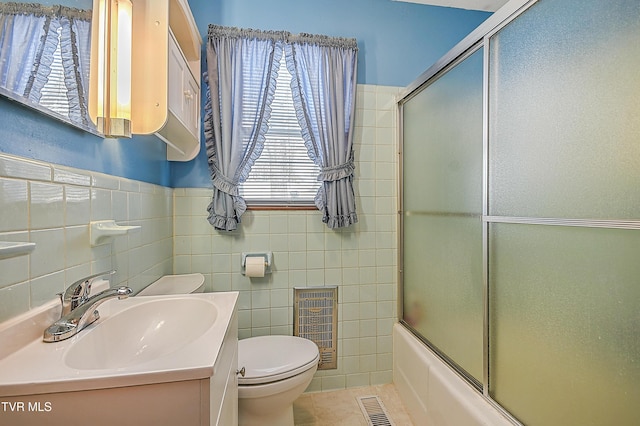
(242, 68)
(75, 49)
(20, 36)
(29, 35)
(323, 84)
(241, 77)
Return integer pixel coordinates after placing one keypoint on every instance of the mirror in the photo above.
(45, 50)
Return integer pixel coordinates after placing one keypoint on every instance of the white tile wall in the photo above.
(361, 259)
(52, 205)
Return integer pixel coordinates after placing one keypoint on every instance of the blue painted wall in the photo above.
(29, 134)
(397, 42)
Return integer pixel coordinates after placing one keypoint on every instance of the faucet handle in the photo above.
(78, 292)
(124, 292)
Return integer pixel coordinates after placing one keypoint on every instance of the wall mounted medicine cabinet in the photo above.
(166, 56)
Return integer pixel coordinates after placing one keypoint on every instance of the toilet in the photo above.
(175, 284)
(277, 369)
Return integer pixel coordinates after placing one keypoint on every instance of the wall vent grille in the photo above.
(315, 317)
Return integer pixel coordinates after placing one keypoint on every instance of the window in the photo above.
(237, 122)
(283, 175)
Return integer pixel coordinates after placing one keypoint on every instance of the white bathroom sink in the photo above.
(136, 341)
(141, 333)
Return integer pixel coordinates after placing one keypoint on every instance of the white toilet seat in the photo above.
(269, 359)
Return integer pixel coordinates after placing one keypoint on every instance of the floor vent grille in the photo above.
(315, 317)
(374, 411)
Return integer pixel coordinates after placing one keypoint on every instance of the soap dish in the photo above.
(10, 249)
(100, 231)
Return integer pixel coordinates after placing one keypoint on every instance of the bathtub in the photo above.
(432, 392)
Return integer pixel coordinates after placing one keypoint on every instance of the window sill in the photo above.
(259, 207)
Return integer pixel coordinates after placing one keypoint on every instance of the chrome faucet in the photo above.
(79, 310)
(78, 293)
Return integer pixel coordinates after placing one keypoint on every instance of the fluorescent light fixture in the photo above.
(110, 107)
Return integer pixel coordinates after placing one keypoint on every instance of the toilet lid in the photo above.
(175, 284)
(268, 359)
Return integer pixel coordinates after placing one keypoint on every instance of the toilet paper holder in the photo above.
(268, 261)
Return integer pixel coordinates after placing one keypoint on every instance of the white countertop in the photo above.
(40, 367)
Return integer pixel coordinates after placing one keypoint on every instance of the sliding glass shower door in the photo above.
(564, 213)
(442, 214)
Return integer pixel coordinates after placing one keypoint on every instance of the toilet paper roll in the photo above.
(254, 266)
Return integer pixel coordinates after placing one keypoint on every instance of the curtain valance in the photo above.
(35, 9)
(216, 31)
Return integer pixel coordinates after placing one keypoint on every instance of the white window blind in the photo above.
(284, 174)
(54, 92)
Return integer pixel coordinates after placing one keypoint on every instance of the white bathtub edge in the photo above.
(432, 392)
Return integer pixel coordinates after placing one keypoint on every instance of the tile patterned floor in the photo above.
(340, 408)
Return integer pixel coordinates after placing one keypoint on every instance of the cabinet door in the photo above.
(184, 91)
(229, 408)
(191, 96)
(177, 69)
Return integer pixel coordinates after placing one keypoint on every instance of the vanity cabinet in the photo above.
(195, 385)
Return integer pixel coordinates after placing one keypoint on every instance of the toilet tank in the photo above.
(175, 284)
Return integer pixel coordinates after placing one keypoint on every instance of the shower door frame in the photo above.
(478, 39)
